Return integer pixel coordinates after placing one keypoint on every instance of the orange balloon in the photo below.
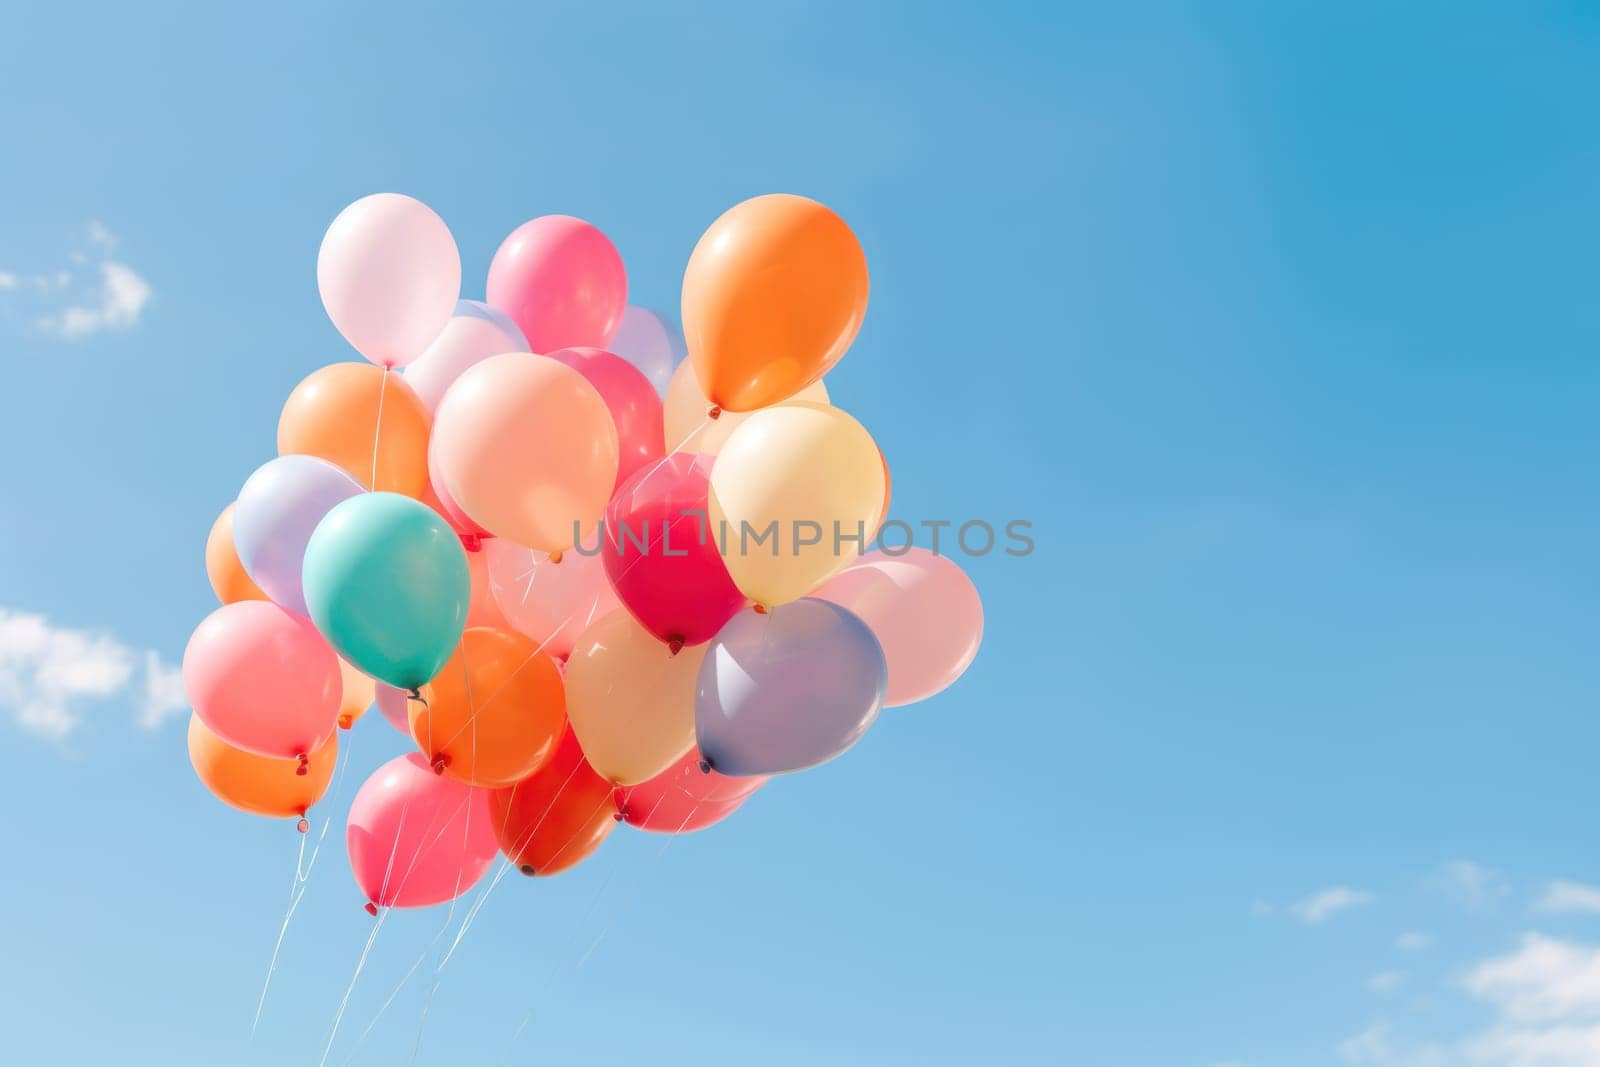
(228, 578)
(356, 694)
(774, 293)
(550, 820)
(334, 414)
(497, 711)
(260, 785)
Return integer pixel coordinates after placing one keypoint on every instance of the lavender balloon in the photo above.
(279, 506)
(474, 333)
(788, 690)
(652, 342)
(394, 705)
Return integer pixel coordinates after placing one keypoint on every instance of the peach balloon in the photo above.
(923, 609)
(688, 429)
(362, 418)
(497, 711)
(356, 694)
(630, 699)
(774, 293)
(482, 609)
(526, 448)
(260, 785)
(552, 603)
(228, 578)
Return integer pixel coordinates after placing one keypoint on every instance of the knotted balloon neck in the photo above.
(714, 412)
(371, 908)
(415, 693)
(760, 609)
(304, 765)
(527, 869)
(675, 644)
(302, 825)
(440, 762)
(346, 720)
(555, 557)
(705, 766)
(472, 542)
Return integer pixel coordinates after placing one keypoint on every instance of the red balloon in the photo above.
(634, 405)
(683, 798)
(556, 816)
(661, 554)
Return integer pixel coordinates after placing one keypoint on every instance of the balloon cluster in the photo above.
(499, 533)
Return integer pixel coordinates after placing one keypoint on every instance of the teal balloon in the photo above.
(386, 582)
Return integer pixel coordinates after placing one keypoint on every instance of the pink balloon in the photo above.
(683, 798)
(417, 838)
(482, 609)
(394, 705)
(925, 612)
(389, 275)
(562, 281)
(474, 333)
(551, 603)
(263, 679)
(663, 563)
(635, 408)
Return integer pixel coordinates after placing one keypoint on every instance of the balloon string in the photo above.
(377, 428)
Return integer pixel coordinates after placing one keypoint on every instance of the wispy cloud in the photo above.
(50, 676)
(1476, 886)
(1386, 981)
(107, 294)
(1413, 941)
(1325, 904)
(1562, 896)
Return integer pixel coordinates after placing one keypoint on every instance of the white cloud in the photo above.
(50, 675)
(7, 280)
(99, 236)
(121, 299)
(1555, 1046)
(1386, 981)
(1477, 887)
(1323, 905)
(1413, 941)
(1545, 980)
(1376, 1047)
(1562, 896)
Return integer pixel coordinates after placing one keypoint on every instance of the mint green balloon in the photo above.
(386, 582)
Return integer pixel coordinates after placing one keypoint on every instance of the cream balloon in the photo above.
(356, 694)
(527, 449)
(794, 494)
(630, 699)
(688, 427)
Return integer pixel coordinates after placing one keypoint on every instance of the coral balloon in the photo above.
(925, 612)
(683, 798)
(552, 603)
(773, 295)
(389, 275)
(387, 583)
(788, 691)
(687, 427)
(356, 694)
(660, 557)
(278, 508)
(474, 333)
(526, 447)
(652, 342)
(227, 575)
(497, 711)
(562, 281)
(262, 679)
(631, 699)
(794, 495)
(482, 610)
(415, 838)
(361, 418)
(550, 820)
(635, 408)
(256, 784)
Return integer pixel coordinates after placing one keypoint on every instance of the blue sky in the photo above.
(1279, 322)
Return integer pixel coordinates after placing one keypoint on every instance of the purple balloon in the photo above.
(787, 690)
(279, 506)
(394, 705)
(652, 342)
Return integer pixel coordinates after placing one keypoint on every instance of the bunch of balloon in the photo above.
(590, 565)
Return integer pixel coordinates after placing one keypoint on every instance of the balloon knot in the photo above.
(440, 762)
(618, 815)
(555, 557)
(302, 825)
(527, 869)
(472, 542)
(705, 766)
(761, 609)
(714, 411)
(345, 721)
(371, 908)
(304, 765)
(416, 694)
(675, 644)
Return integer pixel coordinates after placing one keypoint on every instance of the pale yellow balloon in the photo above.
(688, 428)
(357, 694)
(795, 493)
(630, 699)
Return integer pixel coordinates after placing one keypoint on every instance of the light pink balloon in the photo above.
(263, 679)
(551, 603)
(635, 408)
(563, 282)
(389, 275)
(925, 612)
(474, 333)
(394, 705)
(417, 838)
(683, 798)
(482, 609)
